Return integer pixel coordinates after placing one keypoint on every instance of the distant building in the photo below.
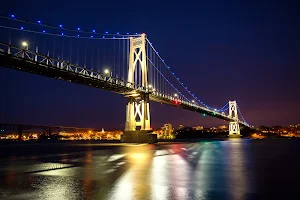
(168, 129)
(223, 127)
(180, 127)
(198, 128)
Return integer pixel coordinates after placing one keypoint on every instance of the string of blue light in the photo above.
(166, 79)
(62, 34)
(242, 115)
(224, 107)
(61, 27)
(181, 83)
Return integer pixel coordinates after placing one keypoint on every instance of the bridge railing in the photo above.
(195, 106)
(46, 60)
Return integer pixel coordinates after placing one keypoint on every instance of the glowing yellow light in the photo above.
(24, 44)
(106, 71)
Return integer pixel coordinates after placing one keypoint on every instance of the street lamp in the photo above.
(106, 71)
(25, 45)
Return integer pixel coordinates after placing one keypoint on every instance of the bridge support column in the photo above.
(234, 127)
(138, 114)
(137, 127)
(130, 119)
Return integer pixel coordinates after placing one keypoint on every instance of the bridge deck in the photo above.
(61, 70)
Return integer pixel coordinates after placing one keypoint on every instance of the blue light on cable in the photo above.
(94, 31)
(22, 28)
(118, 33)
(103, 37)
(62, 33)
(78, 29)
(39, 22)
(44, 31)
(60, 26)
(12, 16)
(106, 32)
(92, 36)
(78, 35)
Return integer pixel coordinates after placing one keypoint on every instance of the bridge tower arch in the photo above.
(137, 109)
(234, 127)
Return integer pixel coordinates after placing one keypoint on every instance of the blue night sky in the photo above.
(248, 51)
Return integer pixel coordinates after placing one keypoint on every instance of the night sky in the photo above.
(222, 50)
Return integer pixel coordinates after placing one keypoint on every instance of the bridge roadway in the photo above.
(28, 61)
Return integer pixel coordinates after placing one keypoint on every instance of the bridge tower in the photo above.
(234, 127)
(137, 109)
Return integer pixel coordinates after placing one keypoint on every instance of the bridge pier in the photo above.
(138, 113)
(234, 130)
(234, 127)
(138, 116)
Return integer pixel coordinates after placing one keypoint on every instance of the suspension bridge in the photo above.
(124, 63)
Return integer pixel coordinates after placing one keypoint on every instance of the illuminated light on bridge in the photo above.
(176, 102)
(24, 44)
(137, 71)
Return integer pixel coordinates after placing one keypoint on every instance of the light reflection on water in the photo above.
(237, 179)
(200, 170)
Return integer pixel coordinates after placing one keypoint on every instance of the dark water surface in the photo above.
(212, 169)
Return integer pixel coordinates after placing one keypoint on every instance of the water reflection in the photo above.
(237, 178)
(213, 169)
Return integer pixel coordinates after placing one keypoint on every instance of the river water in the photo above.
(206, 169)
